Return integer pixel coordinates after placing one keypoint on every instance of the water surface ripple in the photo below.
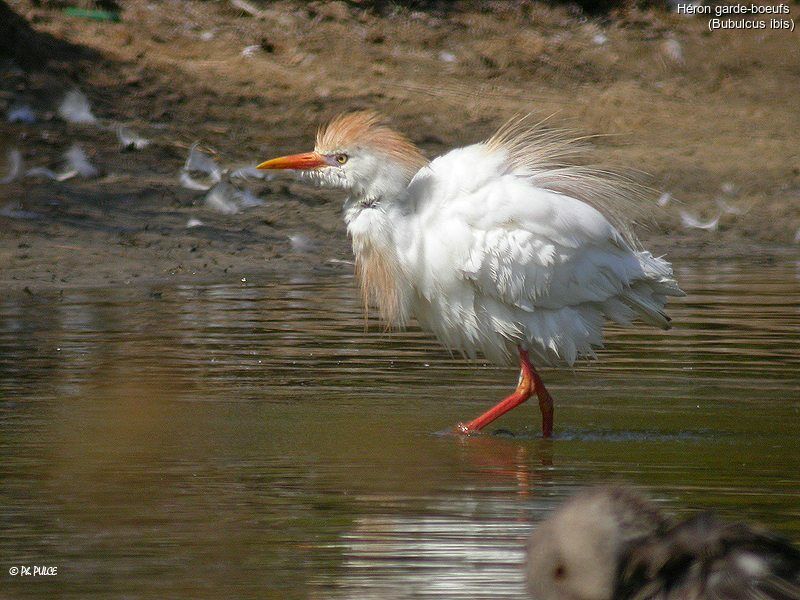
(256, 442)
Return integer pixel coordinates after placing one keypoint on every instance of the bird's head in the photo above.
(572, 558)
(357, 152)
(577, 552)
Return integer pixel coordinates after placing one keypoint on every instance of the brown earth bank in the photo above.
(703, 116)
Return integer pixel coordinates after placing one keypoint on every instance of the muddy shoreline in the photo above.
(709, 119)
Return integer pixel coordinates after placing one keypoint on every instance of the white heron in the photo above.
(501, 248)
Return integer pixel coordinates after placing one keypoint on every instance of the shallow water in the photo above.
(254, 441)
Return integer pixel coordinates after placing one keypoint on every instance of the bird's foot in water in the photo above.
(465, 429)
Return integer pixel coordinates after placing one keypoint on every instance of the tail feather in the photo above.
(649, 308)
(647, 296)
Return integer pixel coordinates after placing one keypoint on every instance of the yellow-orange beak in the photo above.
(307, 160)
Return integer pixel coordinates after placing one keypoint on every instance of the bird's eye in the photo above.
(559, 572)
(341, 158)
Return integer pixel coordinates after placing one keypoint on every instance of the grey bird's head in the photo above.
(575, 554)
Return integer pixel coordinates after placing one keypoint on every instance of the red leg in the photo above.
(545, 405)
(529, 382)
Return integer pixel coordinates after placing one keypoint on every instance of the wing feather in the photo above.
(534, 264)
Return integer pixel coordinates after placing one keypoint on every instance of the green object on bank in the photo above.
(97, 15)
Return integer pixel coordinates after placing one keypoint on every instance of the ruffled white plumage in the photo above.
(490, 254)
(504, 246)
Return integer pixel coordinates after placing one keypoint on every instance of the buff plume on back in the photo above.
(551, 159)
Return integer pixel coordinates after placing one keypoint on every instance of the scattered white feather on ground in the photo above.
(75, 108)
(247, 199)
(223, 195)
(192, 184)
(247, 7)
(227, 199)
(78, 161)
(447, 57)
(600, 39)
(673, 51)
(21, 114)
(130, 140)
(48, 174)
(728, 209)
(301, 243)
(193, 222)
(220, 198)
(250, 173)
(202, 163)
(77, 164)
(664, 199)
(691, 222)
(729, 188)
(14, 166)
(250, 51)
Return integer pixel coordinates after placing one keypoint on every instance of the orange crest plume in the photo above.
(368, 129)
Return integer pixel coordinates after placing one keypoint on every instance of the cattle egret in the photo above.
(499, 248)
(612, 543)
